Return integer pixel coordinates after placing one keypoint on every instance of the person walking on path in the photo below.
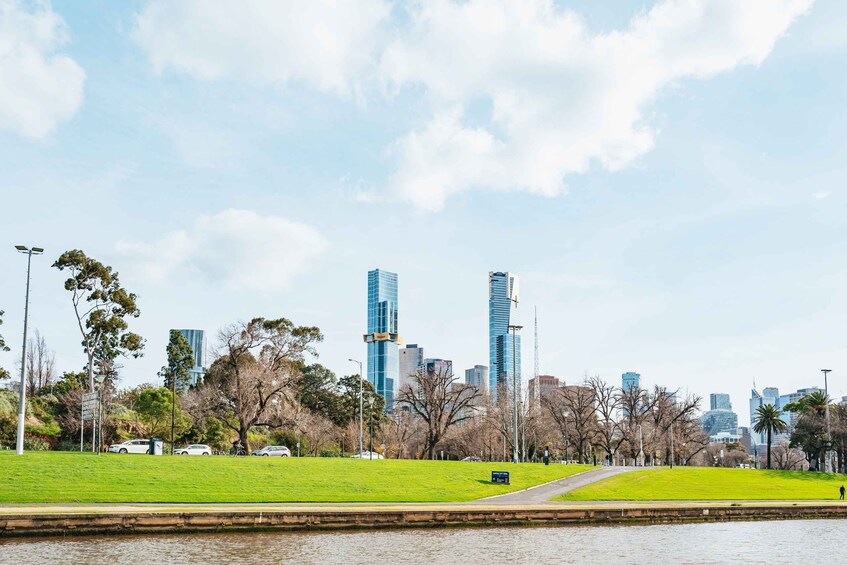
(841, 490)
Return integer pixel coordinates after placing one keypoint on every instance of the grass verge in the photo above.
(59, 477)
(707, 483)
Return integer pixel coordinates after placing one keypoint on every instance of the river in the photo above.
(739, 542)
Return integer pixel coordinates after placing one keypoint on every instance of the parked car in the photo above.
(131, 446)
(367, 455)
(194, 449)
(473, 458)
(273, 451)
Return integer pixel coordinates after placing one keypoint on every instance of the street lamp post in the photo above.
(567, 445)
(828, 433)
(29, 252)
(371, 426)
(640, 445)
(361, 389)
(514, 329)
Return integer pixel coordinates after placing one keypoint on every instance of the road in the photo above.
(548, 491)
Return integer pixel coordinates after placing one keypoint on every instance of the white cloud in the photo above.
(39, 88)
(238, 248)
(562, 98)
(822, 195)
(325, 44)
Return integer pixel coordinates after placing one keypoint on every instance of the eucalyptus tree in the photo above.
(768, 421)
(101, 306)
(176, 374)
(254, 379)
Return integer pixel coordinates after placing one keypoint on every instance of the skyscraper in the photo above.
(630, 380)
(382, 337)
(719, 401)
(411, 359)
(197, 340)
(445, 366)
(504, 350)
(477, 377)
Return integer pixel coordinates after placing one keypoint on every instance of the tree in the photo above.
(4, 374)
(101, 306)
(440, 401)
(176, 374)
(348, 398)
(40, 365)
(572, 408)
(253, 378)
(316, 391)
(606, 400)
(154, 406)
(768, 421)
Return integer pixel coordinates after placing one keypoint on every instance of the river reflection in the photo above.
(740, 542)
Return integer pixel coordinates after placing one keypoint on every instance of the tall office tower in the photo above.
(382, 337)
(504, 344)
(719, 401)
(630, 380)
(411, 359)
(436, 365)
(477, 377)
(197, 339)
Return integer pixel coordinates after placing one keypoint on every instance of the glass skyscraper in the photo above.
(197, 339)
(504, 350)
(382, 337)
(630, 380)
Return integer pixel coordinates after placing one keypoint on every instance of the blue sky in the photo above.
(667, 178)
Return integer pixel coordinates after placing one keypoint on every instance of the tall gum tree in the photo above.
(253, 379)
(102, 307)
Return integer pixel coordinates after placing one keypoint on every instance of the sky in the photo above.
(667, 178)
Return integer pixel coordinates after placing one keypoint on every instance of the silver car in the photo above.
(274, 451)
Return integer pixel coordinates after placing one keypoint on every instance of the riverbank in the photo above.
(80, 520)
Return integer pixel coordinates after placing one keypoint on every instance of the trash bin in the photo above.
(155, 446)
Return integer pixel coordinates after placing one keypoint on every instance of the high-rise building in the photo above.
(540, 386)
(504, 343)
(769, 395)
(436, 365)
(197, 340)
(630, 380)
(719, 401)
(477, 377)
(383, 337)
(411, 359)
(719, 420)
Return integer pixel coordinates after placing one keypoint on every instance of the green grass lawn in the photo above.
(706, 483)
(38, 477)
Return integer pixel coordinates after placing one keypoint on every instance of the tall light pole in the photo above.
(514, 329)
(567, 445)
(361, 393)
(19, 449)
(828, 434)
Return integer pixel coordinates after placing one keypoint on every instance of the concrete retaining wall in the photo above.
(47, 524)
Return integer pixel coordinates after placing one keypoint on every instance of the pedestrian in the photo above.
(842, 489)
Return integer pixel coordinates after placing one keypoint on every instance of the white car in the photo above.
(367, 455)
(194, 449)
(131, 446)
(274, 451)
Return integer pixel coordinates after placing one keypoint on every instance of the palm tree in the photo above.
(813, 403)
(768, 420)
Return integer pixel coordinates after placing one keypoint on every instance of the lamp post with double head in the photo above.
(361, 391)
(567, 445)
(29, 252)
(371, 426)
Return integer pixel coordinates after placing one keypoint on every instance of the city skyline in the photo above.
(699, 242)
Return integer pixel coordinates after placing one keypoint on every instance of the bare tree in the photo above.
(606, 400)
(40, 364)
(572, 408)
(440, 401)
(787, 458)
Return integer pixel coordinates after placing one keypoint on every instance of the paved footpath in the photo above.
(548, 491)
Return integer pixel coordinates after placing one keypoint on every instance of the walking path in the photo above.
(548, 491)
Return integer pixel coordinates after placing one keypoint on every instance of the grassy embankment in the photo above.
(44, 477)
(705, 483)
